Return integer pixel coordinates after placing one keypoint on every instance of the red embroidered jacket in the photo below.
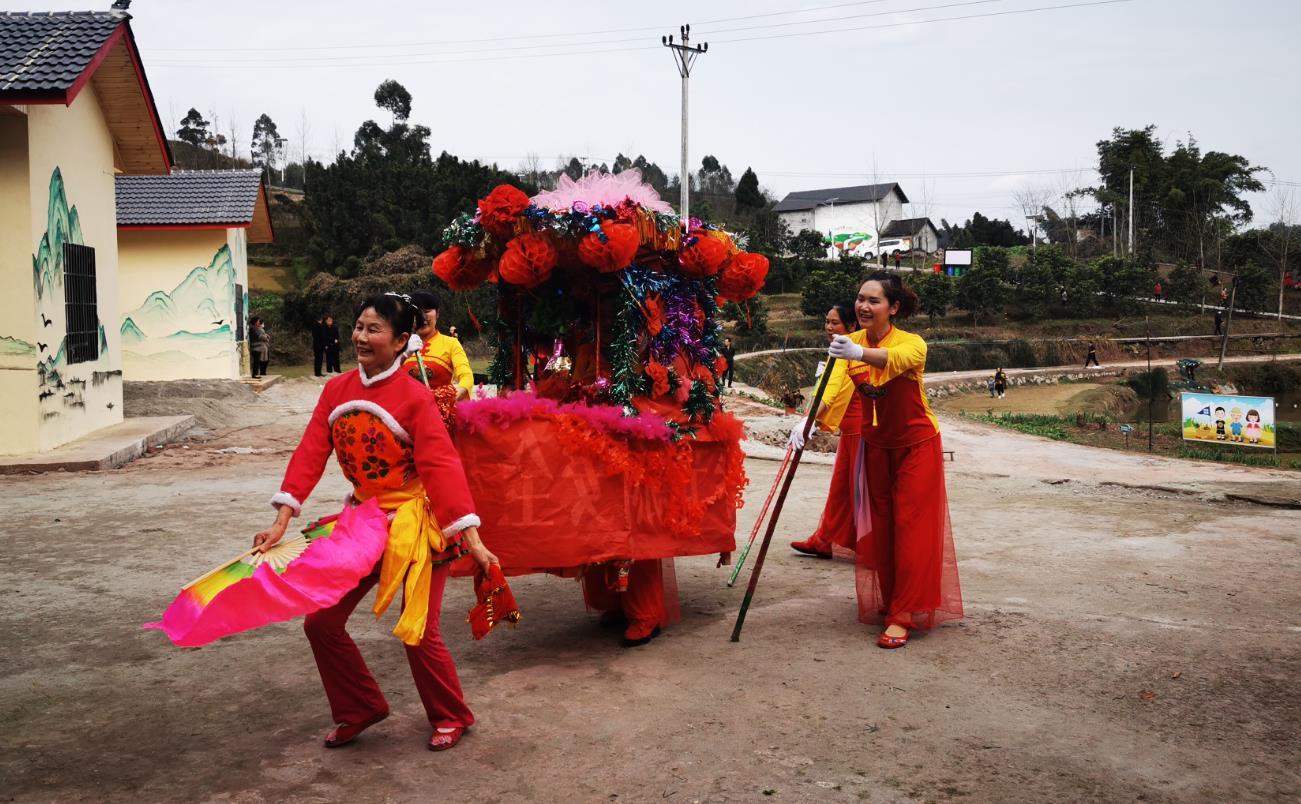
(408, 410)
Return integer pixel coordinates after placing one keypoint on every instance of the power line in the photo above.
(263, 64)
(390, 45)
(517, 48)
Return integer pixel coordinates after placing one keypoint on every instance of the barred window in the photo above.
(80, 303)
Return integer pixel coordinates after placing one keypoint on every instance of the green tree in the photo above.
(750, 316)
(981, 291)
(982, 231)
(394, 98)
(266, 142)
(194, 129)
(935, 292)
(829, 283)
(1185, 284)
(1254, 287)
(748, 195)
(808, 244)
(1123, 279)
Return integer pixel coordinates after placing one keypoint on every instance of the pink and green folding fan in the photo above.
(298, 576)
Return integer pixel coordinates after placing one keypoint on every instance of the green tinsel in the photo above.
(623, 353)
(700, 403)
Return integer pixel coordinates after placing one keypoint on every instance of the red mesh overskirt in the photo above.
(837, 531)
(906, 570)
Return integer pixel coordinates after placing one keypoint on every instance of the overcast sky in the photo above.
(1020, 98)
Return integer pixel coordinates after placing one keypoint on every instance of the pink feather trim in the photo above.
(485, 413)
(606, 189)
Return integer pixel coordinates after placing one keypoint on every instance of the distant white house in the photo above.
(855, 219)
(909, 234)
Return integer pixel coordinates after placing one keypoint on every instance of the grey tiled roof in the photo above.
(46, 52)
(188, 197)
(860, 193)
(907, 227)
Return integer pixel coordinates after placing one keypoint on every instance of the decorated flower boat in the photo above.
(606, 443)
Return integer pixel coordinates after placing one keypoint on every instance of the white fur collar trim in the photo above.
(380, 413)
(383, 375)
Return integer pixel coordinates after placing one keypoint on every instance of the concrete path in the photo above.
(108, 448)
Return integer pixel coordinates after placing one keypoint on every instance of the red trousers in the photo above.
(642, 603)
(353, 694)
(906, 568)
(836, 527)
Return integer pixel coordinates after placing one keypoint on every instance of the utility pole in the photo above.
(1147, 324)
(685, 55)
(1131, 212)
(1228, 321)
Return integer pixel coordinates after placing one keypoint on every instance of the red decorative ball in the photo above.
(702, 258)
(743, 275)
(614, 253)
(528, 260)
(499, 211)
(460, 269)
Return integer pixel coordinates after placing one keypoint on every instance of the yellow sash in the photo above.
(414, 536)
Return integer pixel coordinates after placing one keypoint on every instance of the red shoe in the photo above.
(443, 740)
(638, 635)
(890, 642)
(809, 548)
(345, 733)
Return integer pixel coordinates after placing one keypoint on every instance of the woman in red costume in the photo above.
(836, 528)
(906, 571)
(385, 431)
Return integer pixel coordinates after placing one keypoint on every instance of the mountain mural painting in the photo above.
(61, 387)
(185, 331)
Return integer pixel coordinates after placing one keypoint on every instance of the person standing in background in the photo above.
(318, 345)
(729, 354)
(330, 331)
(259, 346)
(1092, 357)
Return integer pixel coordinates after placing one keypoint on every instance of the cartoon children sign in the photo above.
(1236, 419)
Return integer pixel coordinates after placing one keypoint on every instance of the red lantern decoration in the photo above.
(703, 257)
(743, 275)
(499, 211)
(615, 251)
(528, 260)
(459, 268)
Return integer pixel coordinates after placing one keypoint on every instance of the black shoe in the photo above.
(632, 643)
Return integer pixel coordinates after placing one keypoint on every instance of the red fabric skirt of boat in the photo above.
(564, 486)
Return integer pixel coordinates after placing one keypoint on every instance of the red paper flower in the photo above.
(614, 253)
(498, 212)
(701, 373)
(528, 260)
(720, 365)
(703, 257)
(743, 275)
(654, 314)
(659, 375)
(460, 269)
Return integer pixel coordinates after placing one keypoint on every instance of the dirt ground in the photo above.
(1130, 635)
(1048, 399)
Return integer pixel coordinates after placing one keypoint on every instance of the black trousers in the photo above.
(1092, 358)
(257, 365)
(332, 359)
(729, 374)
(318, 356)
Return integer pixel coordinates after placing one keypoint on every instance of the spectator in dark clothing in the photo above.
(1219, 322)
(729, 354)
(318, 345)
(330, 332)
(1093, 356)
(259, 347)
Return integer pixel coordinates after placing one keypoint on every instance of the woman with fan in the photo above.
(385, 430)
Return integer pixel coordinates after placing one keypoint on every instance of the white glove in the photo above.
(796, 441)
(843, 348)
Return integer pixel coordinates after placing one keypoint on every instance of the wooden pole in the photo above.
(781, 500)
